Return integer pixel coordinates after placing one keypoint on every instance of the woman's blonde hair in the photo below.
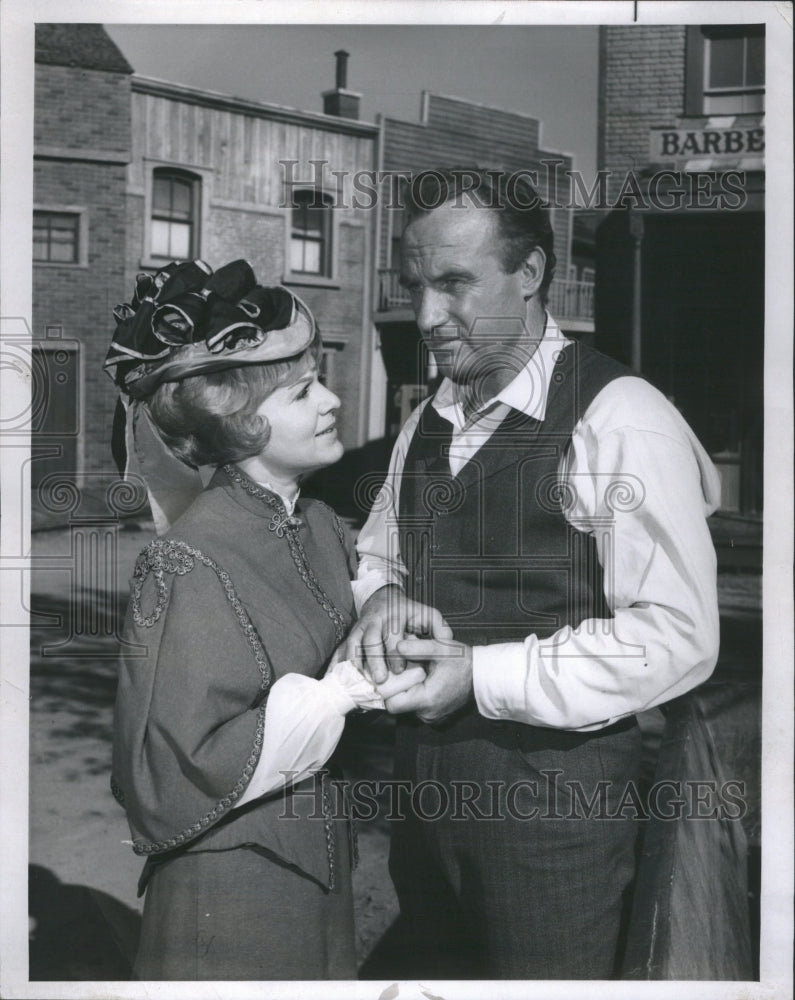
(211, 419)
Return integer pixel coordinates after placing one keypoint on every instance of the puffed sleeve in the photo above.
(190, 705)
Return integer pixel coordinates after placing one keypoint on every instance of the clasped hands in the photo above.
(407, 650)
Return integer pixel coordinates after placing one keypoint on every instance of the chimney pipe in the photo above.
(341, 102)
(342, 69)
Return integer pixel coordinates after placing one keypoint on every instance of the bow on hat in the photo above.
(186, 319)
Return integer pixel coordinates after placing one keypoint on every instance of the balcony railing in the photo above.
(571, 299)
(391, 295)
(567, 299)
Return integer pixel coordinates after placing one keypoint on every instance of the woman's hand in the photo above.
(387, 618)
(354, 688)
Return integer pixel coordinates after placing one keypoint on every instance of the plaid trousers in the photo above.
(513, 857)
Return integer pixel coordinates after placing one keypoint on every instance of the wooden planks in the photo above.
(690, 916)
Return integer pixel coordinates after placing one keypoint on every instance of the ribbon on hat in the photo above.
(187, 304)
(171, 486)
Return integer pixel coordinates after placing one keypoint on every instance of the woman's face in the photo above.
(303, 427)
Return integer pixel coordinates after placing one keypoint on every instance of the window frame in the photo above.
(202, 178)
(329, 279)
(697, 63)
(328, 370)
(80, 213)
(193, 183)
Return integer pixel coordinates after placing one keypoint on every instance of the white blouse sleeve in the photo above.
(304, 720)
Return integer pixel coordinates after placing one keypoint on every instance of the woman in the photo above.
(235, 613)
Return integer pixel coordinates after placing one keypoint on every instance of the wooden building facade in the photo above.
(218, 178)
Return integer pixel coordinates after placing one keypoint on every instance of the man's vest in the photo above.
(491, 548)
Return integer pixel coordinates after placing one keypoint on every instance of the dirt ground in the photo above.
(83, 904)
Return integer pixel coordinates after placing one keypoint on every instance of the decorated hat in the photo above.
(187, 319)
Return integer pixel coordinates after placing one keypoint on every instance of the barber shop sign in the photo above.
(721, 144)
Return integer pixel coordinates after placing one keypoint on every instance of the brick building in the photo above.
(131, 173)
(680, 258)
(82, 148)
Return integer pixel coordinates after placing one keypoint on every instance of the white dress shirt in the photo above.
(657, 557)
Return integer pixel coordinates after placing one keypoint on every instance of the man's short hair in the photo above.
(522, 216)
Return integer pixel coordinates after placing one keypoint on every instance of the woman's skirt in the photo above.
(242, 914)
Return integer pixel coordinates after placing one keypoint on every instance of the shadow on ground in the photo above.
(74, 687)
(78, 933)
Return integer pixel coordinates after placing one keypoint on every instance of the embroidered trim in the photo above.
(301, 561)
(281, 524)
(328, 823)
(163, 556)
(281, 519)
(222, 807)
(159, 557)
(338, 525)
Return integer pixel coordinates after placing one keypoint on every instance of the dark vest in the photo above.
(491, 548)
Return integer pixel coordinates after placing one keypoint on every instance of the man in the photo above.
(540, 545)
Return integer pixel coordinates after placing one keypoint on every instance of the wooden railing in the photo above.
(571, 299)
(390, 294)
(567, 299)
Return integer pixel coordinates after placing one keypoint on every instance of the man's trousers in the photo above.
(514, 854)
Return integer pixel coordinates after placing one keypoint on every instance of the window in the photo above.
(175, 212)
(394, 251)
(56, 237)
(310, 234)
(734, 70)
(725, 69)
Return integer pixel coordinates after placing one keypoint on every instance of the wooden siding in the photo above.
(243, 150)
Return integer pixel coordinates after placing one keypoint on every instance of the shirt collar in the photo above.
(527, 392)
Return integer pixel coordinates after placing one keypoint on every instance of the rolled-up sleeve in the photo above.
(641, 484)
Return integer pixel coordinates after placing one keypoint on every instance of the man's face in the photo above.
(471, 314)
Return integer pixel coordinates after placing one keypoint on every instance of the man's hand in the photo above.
(448, 685)
(385, 620)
